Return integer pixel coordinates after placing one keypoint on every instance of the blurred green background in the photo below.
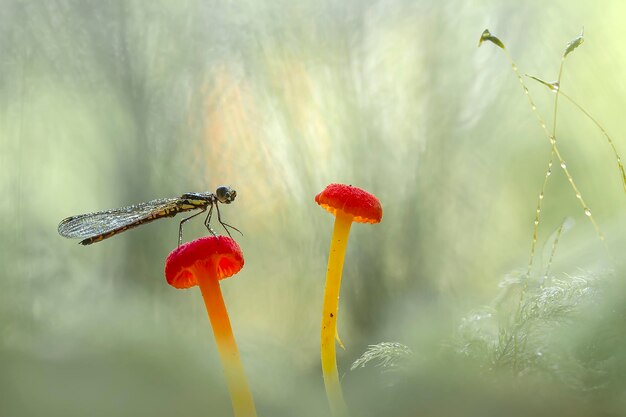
(104, 104)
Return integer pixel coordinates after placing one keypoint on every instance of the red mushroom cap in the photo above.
(352, 200)
(218, 256)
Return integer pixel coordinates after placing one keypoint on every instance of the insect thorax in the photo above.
(198, 199)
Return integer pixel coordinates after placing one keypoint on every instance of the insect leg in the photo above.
(207, 221)
(180, 227)
(225, 225)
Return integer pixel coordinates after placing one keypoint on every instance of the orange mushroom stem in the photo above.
(204, 262)
(348, 204)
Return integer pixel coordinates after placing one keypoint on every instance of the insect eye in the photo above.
(225, 194)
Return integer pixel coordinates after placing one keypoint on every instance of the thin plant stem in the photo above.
(556, 151)
(620, 165)
(533, 246)
(555, 87)
(557, 237)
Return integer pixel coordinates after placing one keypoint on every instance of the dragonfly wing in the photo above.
(93, 224)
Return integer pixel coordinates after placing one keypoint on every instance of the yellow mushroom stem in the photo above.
(240, 395)
(338, 244)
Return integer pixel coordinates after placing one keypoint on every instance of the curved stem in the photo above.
(240, 395)
(337, 254)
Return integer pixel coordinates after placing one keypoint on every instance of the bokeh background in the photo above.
(104, 104)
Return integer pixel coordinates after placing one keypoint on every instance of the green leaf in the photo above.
(553, 86)
(574, 43)
(487, 36)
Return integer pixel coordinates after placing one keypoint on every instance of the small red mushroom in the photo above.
(348, 204)
(204, 262)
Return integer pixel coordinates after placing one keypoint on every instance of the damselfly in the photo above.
(94, 227)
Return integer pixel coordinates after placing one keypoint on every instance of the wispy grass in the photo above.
(386, 355)
(542, 339)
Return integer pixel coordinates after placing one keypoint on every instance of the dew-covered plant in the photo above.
(513, 342)
(504, 336)
(541, 325)
(556, 327)
(551, 135)
(568, 333)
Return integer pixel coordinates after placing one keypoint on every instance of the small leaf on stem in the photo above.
(487, 36)
(554, 85)
(574, 43)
